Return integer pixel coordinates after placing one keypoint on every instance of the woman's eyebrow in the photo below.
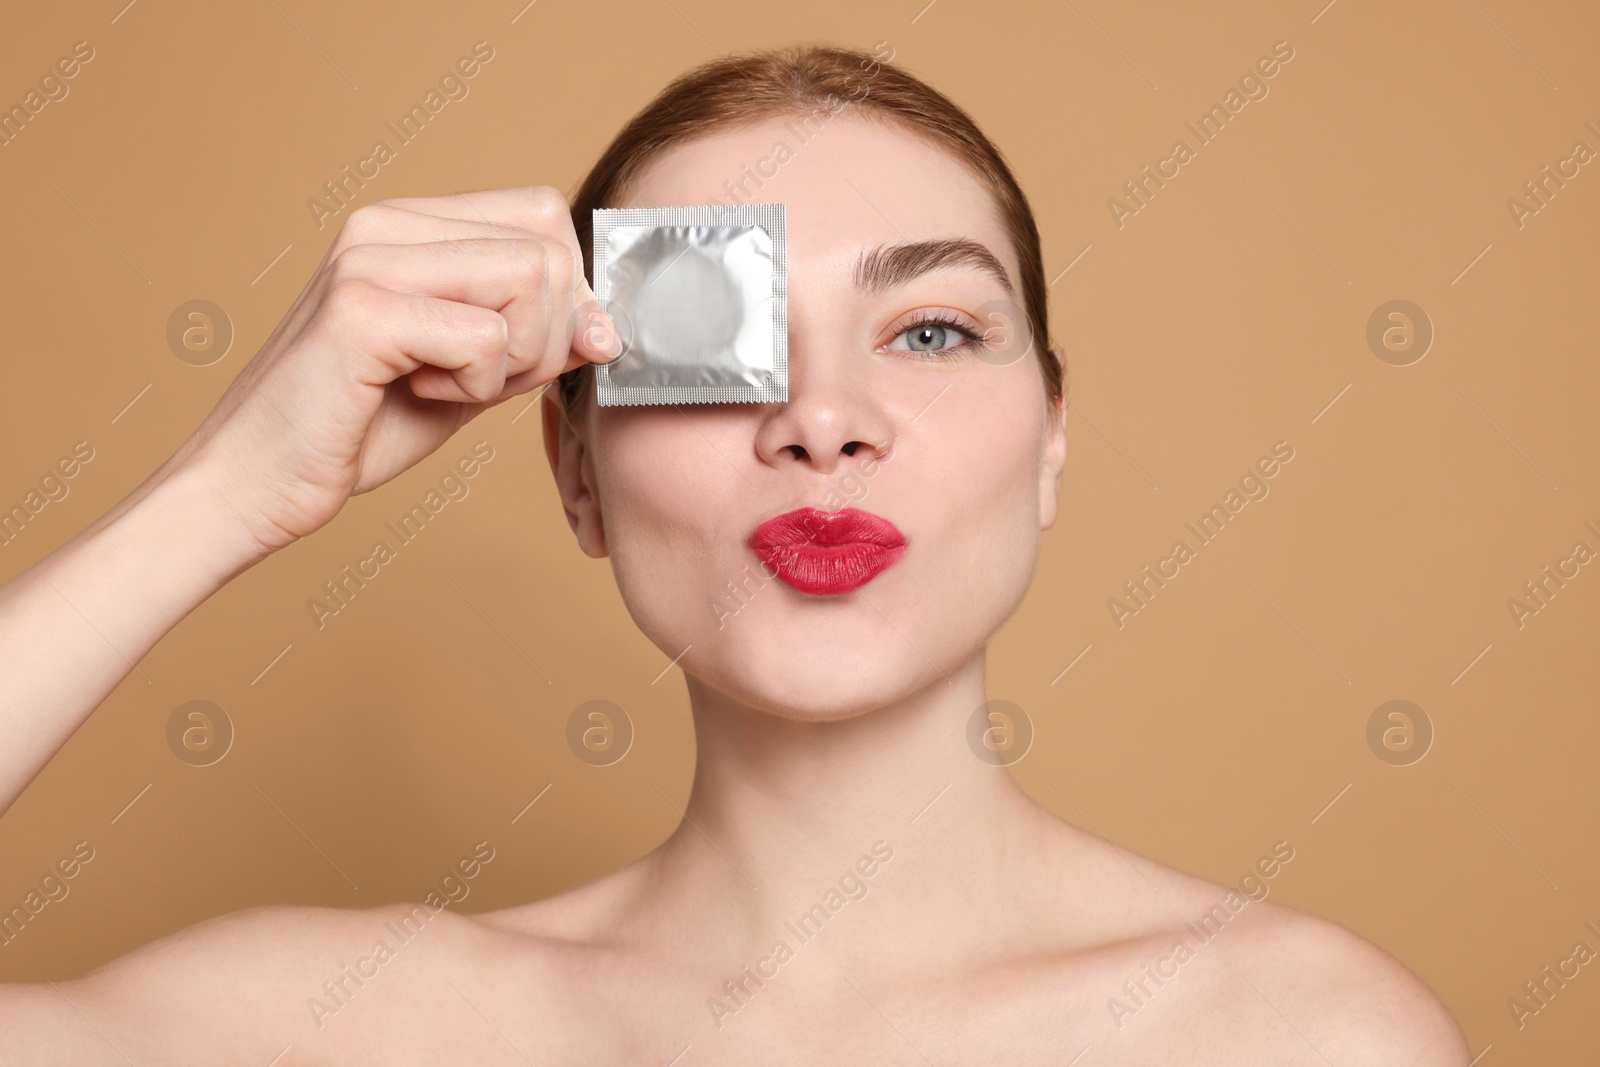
(887, 266)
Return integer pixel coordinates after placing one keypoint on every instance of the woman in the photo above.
(849, 884)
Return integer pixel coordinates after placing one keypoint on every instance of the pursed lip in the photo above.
(827, 552)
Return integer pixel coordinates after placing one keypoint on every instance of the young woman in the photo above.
(849, 883)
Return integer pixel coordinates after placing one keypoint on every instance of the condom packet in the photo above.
(699, 296)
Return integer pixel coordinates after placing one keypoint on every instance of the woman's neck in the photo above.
(782, 810)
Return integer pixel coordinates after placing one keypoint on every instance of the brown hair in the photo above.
(819, 81)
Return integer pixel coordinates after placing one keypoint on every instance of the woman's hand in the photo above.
(424, 313)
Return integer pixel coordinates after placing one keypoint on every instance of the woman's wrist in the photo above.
(185, 520)
(150, 561)
(169, 544)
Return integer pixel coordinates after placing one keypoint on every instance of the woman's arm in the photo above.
(74, 624)
(247, 987)
(424, 313)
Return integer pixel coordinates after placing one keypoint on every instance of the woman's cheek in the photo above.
(991, 495)
(987, 446)
(666, 517)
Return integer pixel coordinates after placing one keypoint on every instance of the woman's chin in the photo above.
(815, 683)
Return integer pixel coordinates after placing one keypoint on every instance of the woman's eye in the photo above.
(931, 337)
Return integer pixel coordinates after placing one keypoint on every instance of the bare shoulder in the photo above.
(243, 986)
(1355, 1003)
(1172, 965)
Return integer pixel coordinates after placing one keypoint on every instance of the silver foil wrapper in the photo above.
(700, 299)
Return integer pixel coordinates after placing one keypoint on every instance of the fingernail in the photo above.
(602, 336)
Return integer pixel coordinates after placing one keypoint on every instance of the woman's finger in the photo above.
(452, 350)
(538, 209)
(529, 280)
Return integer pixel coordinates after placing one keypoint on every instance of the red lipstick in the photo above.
(827, 552)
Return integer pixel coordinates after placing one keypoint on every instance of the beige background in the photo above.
(1227, 315)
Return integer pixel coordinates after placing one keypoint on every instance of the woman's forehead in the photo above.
(848, 185)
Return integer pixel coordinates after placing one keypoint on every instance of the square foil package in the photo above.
(699, 296)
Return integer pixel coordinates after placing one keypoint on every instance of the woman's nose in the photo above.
(832, 412)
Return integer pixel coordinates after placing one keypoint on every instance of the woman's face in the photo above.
(953, 443)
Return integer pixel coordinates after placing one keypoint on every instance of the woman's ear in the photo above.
(1053, 457)
(573, 467)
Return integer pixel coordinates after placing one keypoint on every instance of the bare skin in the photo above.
(967, 923)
